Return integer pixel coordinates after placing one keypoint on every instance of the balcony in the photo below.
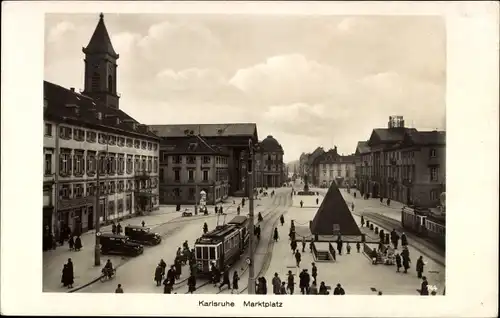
(143, 175)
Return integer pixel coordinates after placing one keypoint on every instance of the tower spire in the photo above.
(100, 42)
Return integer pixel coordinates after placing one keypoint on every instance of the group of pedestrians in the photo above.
(216, 276)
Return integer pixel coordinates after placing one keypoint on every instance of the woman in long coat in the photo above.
(420, 267)
(404, 240)
(406, 263)
(276, 284)
(276, 235)
(178, 268)
(158, 274)
(78, 244)
(67, 276)
(71, 243)
(236, 278)
(398, 262)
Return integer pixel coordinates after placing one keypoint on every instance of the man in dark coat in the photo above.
(170, 275)
(362, 221)
(71, 243)
(394, 238)
(168, 286)
(225, 279)
(205, 228)
(420, 267)
(78, 244)
(314, 271)
(339, 290)
(398, 262)
(178, 267)
(298, 258)
(282, 220)
(113, 228)
(339, 246)
(404, 240)
(276, 235)
(191, 284)
(293, 246)
(291, 283)
(406, 263)
(158, 274)
(381, 235)
(119, 229)
(305, 279)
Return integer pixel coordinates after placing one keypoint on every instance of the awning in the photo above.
(146, 194)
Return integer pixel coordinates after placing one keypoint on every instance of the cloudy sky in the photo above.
(307, 80)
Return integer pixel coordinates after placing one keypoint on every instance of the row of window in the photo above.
(339, 173)
(406, 172)
(78, 164)
(220, 175)
(79, 134)
(178, 159)
(177, 192)
(80, 190)
(388, 157)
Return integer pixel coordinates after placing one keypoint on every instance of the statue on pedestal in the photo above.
(306, 183)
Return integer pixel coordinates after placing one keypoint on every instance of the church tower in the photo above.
(100, 67)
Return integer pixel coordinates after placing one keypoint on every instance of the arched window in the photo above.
(110, 84)
(96, 81)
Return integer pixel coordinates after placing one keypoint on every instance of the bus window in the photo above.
(198, 252)
(211, 253)
(205, 252)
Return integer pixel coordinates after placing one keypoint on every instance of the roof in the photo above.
(427, 138)
(270, 144)
(334, 210)
(389, 135)
(137, 227)
(100, 42)
(190, 145)
(239, 219)
(362, 147)
(206, 130)
(316, 153)
(67, 105)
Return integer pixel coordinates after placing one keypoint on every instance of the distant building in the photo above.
(303, 164)
(86, 134)
(190, 165)
(362, 158)
(233, 138)
(269, 167)
(311, 168)
(331, 167)
(404, 164)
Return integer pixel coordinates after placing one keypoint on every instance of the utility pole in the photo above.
(251, 269)
(97, 248)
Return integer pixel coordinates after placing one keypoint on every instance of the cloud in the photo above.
(193, 78)
(59, 30)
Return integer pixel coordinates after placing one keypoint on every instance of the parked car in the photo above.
(142, 235)
(119, 244)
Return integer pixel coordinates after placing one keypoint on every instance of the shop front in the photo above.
(145, 202)
(77, 214)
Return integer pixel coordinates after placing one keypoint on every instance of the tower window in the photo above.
(96, 81)
(110, 84)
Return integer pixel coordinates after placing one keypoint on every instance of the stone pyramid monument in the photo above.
(334, 216)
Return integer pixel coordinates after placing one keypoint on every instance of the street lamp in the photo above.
(97, 247)
(250, 261)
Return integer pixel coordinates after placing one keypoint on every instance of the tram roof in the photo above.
(239, 219)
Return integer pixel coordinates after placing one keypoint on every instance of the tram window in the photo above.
(205, 252)
(211, 253)
(198, 252)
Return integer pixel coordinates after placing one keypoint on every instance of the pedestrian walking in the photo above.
(282, 220)
(406, 263)
(225, 279)
(71, 243)
(293, 246)
(158, 275)
(238, 210)
(317, 201)
(352, 206)
(178, 268)
(290, 282)
(276, 235)
(67, 276)
(339, 290)
(339, 245)
(362, 221)
(297, 258)
(398, 262)
(301, 203)
(358, 246)
(276, 282)
(394, 238)
(304, 279)
(348, 248)
(143, 223)
(420, 266)
(113, 228)
(205, 228)
(303, 244)
(236, 278)
(170, 275)
(191, 283)
(119, 289)
(119, 229)
(404, 240)
(168, 286)
(78, 244)
(388, 202)
(314, 271)
(322, 289)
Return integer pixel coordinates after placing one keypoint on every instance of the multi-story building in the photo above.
(303, 164)
(331, 167)
(189, 166)
(86, 137)
(311, 168)
(362, 160)
(233, 138)
(405, 164)
(269, 164)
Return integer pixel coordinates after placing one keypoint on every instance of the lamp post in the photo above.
(251, 269)
(97, 247)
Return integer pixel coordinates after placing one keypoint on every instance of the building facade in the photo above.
(332, 167)
(362, 159)
(269, 168)
(311, 168)
(404, 164)
(303, 164)
(88, 138)
(233, 138)
(189, 166)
